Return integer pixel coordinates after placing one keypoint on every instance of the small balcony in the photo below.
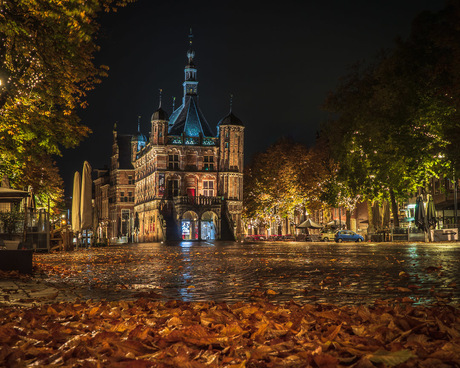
(197, 201)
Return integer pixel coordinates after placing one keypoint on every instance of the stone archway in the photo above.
(209, 226)
(189, 226)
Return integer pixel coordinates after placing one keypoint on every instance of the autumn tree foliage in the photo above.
(46, 69)
(397, 121)
(285, 180)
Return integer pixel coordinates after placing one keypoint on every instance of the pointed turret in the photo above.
(159, 121)
(138, 140)
(230, 119)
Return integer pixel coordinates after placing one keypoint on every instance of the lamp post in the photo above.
(455, 201)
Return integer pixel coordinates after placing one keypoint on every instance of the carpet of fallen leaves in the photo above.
(150, 333)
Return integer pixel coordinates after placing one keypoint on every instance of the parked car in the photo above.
(347, 235)
(252, 238)
(327, 235)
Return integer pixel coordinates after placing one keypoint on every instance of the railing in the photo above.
(192, 141)
(198, 201)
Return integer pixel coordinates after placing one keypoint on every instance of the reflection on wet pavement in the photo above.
(226, 271)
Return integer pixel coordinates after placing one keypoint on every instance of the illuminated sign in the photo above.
(186, 228)
(161, 184)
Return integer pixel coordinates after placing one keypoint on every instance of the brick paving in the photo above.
(34, 291)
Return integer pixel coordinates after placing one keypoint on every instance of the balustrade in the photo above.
(198, 200)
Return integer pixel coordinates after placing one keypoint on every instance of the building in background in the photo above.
(184, 182)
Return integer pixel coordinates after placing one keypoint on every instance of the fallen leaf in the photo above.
(391, 358)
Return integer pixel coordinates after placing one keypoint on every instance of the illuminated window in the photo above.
(209, 163)
(173, 162)
(208, 188)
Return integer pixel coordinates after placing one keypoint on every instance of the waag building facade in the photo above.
(187, 179)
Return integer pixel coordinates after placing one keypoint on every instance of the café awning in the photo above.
(8, 195)
(309, 224)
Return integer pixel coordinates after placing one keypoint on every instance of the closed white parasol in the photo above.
(86, 208)
(76, 198)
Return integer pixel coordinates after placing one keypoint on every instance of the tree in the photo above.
(46, 68)
(272, 189)
(285, 180)
(396, 119)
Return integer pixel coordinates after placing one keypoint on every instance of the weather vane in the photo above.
(160, 95)
(231, 101)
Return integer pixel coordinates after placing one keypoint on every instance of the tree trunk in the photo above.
(348, 219)
(370, 218)
(394, 209)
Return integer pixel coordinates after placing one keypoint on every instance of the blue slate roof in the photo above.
(189, 119)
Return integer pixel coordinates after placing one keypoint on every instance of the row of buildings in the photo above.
(182, 181)
(375, 220)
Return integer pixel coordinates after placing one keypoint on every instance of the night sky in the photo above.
(278, 59)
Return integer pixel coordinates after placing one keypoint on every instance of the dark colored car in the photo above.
(347, 235)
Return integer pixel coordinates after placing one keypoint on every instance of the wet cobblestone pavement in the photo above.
(346, 273)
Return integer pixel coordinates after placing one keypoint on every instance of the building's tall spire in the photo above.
(190, 84)
(231, 102)
(190, 52)
(161, 91)
(138, 123)
(174, 103)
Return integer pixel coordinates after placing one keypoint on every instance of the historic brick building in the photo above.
(185, 182)
(114, 188)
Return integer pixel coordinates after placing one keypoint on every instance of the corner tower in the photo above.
(231, 143)
(231, 155)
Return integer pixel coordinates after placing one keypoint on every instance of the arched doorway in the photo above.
(189, 226)
(209, 226)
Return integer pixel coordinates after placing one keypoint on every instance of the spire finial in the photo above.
(190, 37)
(161, 91)
(174, 102)
(190, 52)
(138, 123)
(231, 102)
